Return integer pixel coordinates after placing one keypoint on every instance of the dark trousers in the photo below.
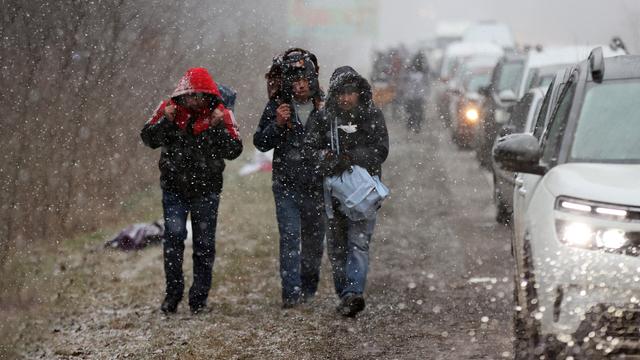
(204, 214)
(301, 227)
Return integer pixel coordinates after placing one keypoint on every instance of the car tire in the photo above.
(529, 343)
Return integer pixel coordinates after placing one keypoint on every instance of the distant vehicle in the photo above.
(499, 96)
(465, 101)
(446, 33)
(455, 56)
(521, 120)
(576, 229)
(560, 56)
(490, 32)
(463, 50)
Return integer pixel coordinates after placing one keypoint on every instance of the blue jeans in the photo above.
(301, 227)
(348, 249)
(204, 214)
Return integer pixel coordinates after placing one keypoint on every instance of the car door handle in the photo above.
(522, 191)
(519, 181)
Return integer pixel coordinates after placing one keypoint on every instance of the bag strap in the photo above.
(335, 143)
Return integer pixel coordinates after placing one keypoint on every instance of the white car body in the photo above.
(559, 55)
(463, 50)
(584, 277)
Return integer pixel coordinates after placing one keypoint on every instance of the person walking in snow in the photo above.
(363, 140)
(197, 133)
(295, 99)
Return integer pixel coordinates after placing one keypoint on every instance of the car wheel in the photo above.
(520, 339)
(531, 344)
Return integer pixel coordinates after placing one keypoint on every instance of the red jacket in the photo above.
(196, 80)
(193, 152)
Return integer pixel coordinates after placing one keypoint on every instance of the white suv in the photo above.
(576, 232)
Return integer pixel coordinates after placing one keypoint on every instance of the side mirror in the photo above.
(508, 96)
(519, 153)
(507, 129)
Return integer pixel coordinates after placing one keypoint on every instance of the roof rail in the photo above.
(617, 43)
(596, 64)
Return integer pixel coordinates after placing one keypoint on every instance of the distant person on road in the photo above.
(363, 140)
(196, 133)
(415, 87)
(295, 99)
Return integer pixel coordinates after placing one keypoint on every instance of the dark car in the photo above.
(500, 95)
(522, 118)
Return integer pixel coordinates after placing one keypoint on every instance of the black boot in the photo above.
(170, 304)
(350, 305)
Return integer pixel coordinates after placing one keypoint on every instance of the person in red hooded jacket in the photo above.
(196, 133)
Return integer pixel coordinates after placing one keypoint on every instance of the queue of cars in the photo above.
(557, 128)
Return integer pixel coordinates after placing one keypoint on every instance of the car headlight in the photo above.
(580, 234)
(471, 115)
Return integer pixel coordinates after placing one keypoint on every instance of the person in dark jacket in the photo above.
(297, 190)
(363, 140)
(196, 133)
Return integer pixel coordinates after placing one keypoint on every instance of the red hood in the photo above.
(196, 80)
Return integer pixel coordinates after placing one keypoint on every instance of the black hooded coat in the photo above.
(362, 132)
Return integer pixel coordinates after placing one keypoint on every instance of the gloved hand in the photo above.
(343, 163)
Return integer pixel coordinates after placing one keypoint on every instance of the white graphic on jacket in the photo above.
(349, 128)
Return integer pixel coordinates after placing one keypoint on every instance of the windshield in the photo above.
(510, 76)
(609, 127)
(478, 81)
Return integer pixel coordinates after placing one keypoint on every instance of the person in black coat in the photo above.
(362, 140)
(297, 188)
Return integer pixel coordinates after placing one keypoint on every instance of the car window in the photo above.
(510, 75)
(542, 115)
(557, 124)
(608, 129)
(533, 114)
(519, 113)
(533, 73)
(478, 81)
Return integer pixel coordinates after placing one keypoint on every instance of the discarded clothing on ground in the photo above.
(137, 236)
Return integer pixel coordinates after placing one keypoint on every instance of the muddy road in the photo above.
(439, 285)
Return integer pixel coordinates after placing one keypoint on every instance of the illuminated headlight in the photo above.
(611, 239)
(584, 236)
(472, 115)
(576, 234)
(580, 234)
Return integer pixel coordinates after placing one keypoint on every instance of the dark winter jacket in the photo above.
(193, 153)
(290, 168)
(362, 133)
